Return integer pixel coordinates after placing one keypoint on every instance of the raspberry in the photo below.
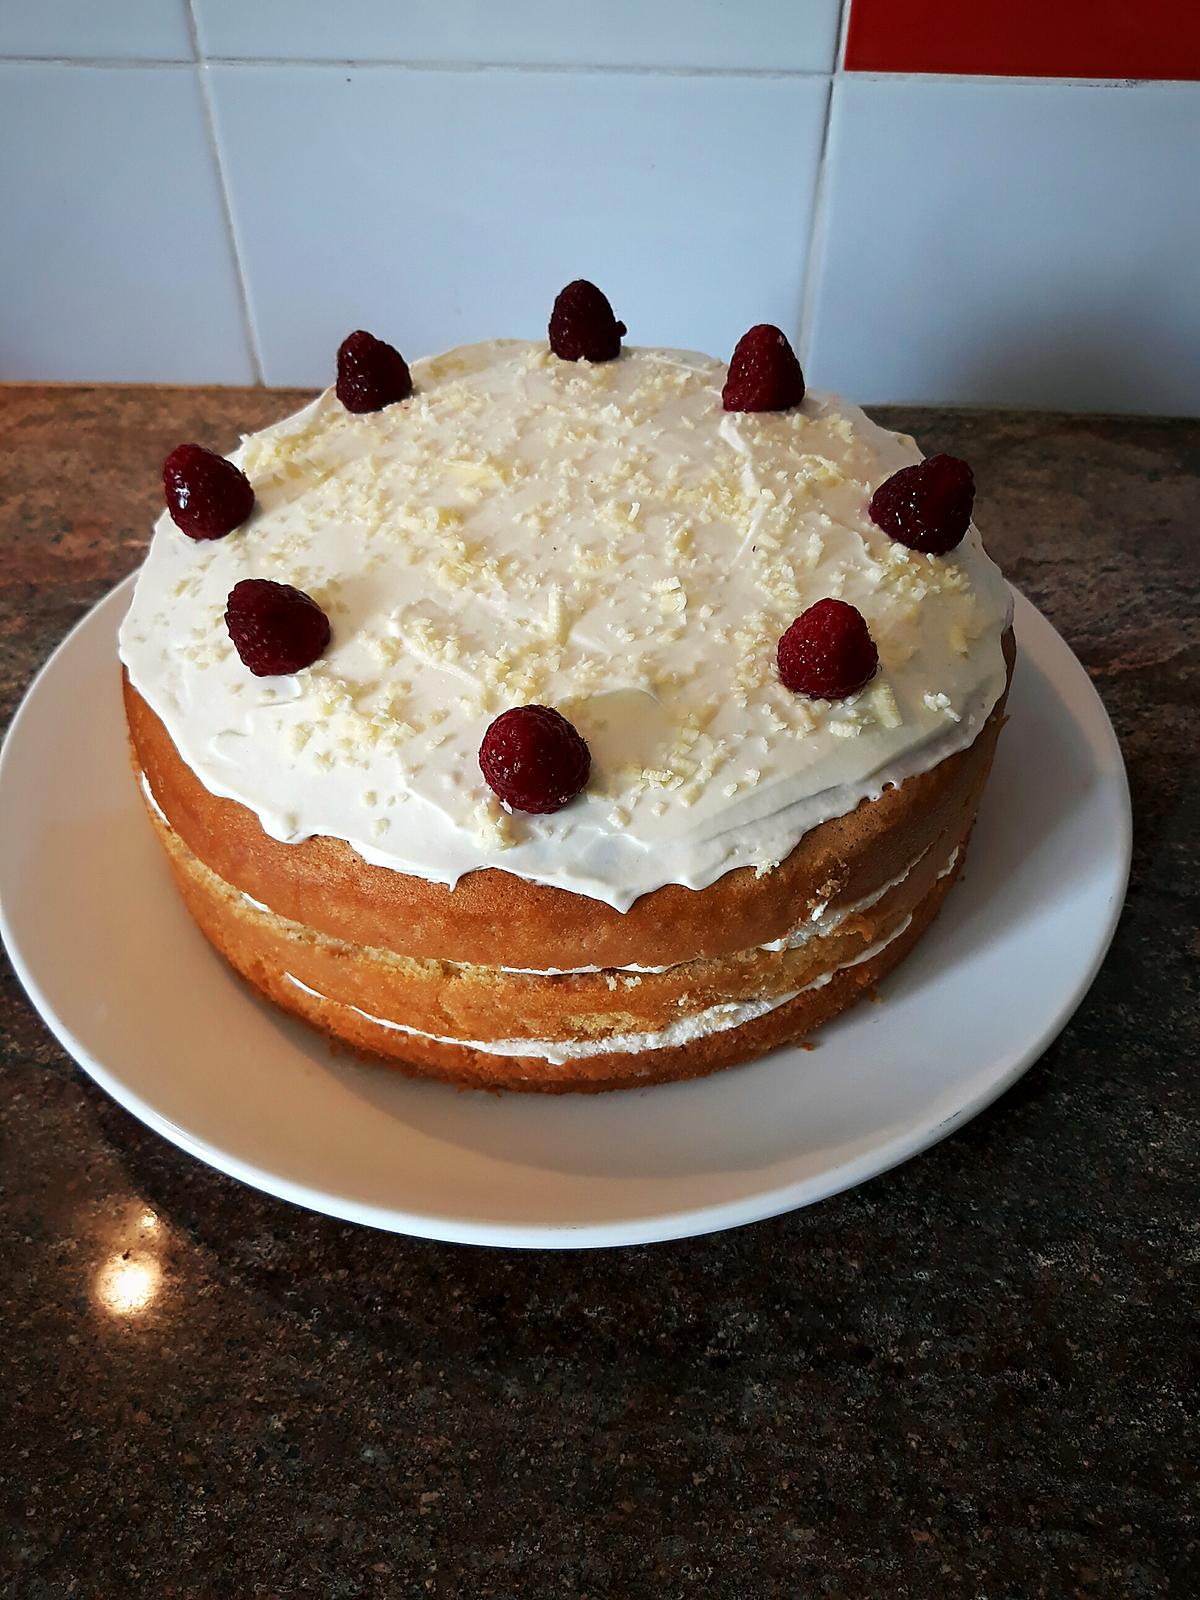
(828, 652)
(582, 325)
(927, 507)
(274, 627)
(534, 759)
(764, 374)
(207, 496)
(370, 373)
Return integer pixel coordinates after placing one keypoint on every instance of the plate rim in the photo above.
(689, 1222)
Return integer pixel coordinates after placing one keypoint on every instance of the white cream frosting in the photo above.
(715, 1019)
(604, 539)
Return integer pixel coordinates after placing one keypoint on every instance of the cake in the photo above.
(569, 715)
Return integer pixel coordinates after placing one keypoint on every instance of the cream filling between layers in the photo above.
(158, 811)
(605, 539)
(820, 922)
(716, 1019)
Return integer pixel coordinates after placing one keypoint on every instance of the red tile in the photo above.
(1027, 38)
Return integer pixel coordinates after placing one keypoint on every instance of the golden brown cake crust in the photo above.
(477, 1069)
(350, 947)
(492, 918)
(482, 1003)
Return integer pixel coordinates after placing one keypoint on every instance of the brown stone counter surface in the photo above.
(969, 1378)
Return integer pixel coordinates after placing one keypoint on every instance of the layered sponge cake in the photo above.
(566, 716)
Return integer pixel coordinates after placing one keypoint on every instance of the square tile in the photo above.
(114, 256)
(436, 207)
(776, 35)
(131, 30)
(1008, 243)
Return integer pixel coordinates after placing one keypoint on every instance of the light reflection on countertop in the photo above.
(129, 1280)
(126, 1285)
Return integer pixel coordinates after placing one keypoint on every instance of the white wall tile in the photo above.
(114, 254)
(1032, 244)
(435, 207)
(136, 30)
(778, 35)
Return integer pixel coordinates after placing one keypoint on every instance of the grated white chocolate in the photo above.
(603, 539)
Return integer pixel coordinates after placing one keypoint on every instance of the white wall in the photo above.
(217, 192)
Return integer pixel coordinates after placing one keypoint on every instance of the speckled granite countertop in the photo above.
(969, 1378)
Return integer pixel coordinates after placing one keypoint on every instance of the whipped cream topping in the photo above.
(715, 1019)
(604, 539)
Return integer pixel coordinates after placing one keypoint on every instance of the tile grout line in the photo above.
(816, 220)
(816, 217)
(248, 329)
(368, 63)
(591, 69)
(522, 68)
(125, 62)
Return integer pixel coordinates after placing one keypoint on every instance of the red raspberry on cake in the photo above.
(275, 628)
(370, 373)
(764, 374)
(534, 759)
(207, 495)
(926, 507)
(582, 325)
(828, 652)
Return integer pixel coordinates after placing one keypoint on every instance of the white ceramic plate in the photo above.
(132, 990)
